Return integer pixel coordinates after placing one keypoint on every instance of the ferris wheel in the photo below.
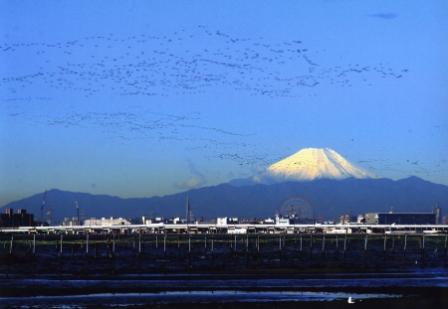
(296, 207)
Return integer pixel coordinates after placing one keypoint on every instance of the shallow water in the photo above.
(408, 281)
(224, 296)
(135, 290)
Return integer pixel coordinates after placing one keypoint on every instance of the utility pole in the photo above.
(50, 216)
(187, 210)
(78, 217)
(42, 208)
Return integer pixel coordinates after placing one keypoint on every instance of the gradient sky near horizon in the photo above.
(141, 98)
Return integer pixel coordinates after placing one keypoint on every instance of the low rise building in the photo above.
(347, 219)
(71, 221)
(223, 221)
(281, 221)
(268, 221)
(106, 222)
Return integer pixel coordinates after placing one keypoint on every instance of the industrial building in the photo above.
(400, 218)
(20, 218)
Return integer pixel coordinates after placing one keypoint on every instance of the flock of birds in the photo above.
(186, 62)
(157, 127)
(407, 166)
(183, 62)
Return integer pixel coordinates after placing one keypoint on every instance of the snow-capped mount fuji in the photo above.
(315, 163)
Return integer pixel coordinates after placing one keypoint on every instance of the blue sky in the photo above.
(149, 98)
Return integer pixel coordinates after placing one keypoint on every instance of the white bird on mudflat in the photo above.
(350, 300)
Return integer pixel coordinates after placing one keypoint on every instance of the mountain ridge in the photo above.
(328, 198)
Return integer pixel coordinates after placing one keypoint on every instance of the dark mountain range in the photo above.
(326, 198)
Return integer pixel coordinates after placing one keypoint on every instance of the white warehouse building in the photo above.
(106, 221)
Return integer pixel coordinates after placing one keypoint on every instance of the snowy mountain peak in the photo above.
(314, 163)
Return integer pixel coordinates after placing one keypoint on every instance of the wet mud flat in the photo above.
(284, 261)
(401, 290)
(416, 302)
(237, 272)
(399, 303)
(104, 254)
